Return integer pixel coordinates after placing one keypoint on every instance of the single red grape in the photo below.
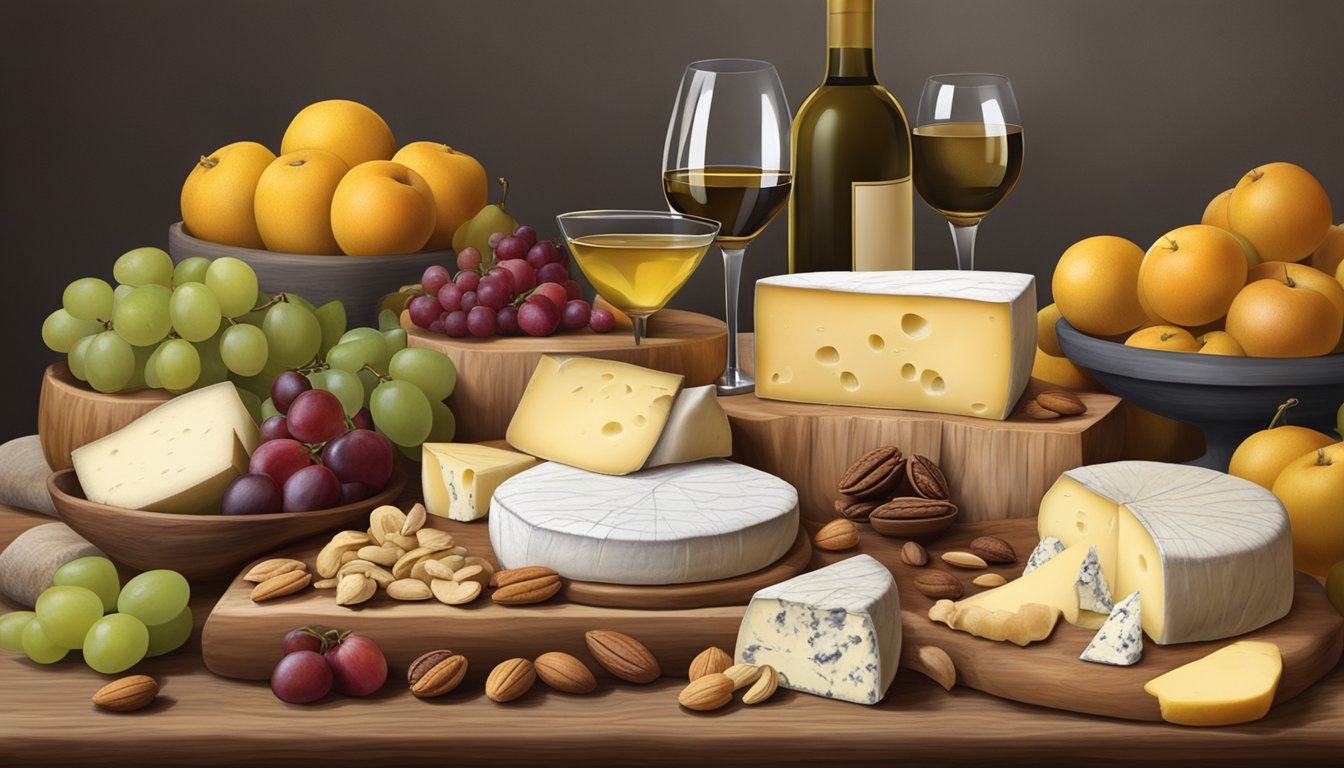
(572, 289)
(467, 281)
(251, 495)
(315, 416)
(300, 640)
(576, 314)
(492, 293)
(468, 258)
(286, 387)
(450, 297)
(504, 276)
(434, 278)
(482, 322)
(455, 324)
(360, 456)
(506, 320)
(274, 429)
(470, 300)
(538, 317)
(601, 320)
(313, 487)
(553, 291)
(527, 234)
(511, 248)
(544, 252)
(437, 325)
(552, 272)
(424, 310)
(301, 677)
(362, 419)
(495, 237)
(524, 276)
(279, 459)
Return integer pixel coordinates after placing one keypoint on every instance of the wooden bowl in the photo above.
(1229, 398)
(921, 528)
(70, 414)
(358, 282)
(200, 547)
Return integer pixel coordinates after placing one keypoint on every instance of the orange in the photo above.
(1275, 319)
(457, 180)
(293, 202)
(381, 207)
(1167, 338)
(1063, 372)
(1096, 285)
(217, 195)
(1191, 274)
(1330, 253)
(347, 129)
(1149, 437)
(1219, 343)
(1215, 213)
(1282, 209)
(1045, 330)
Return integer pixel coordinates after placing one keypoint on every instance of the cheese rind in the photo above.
(458, 479)
(1119, 642)
(1211, 553)
(1234, 684)
(697, 428)
(834, 632)
(668, 525)
(178, 458)
(940, 341)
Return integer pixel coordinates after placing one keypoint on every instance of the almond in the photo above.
(485, 565)
(938, 584)
(385, 520)
(938, 665)
(1037, 411)
(376, 572)
(436, 673)
(712, 659)
(1062, 402)
(433, 539)
(707, 693)
(513, 575)
(380, 555)
(964, 560)
(454, 562)
(409, 589)
(837, 535)
(402, 568)
(509, 680)
(527, 591)
(355, 588)
(127, 694)
(273, 567)
(451, 592)
(474, 573)
(763, 688)
(325, 584)
(993, 549)
(415, 520)
(279, 586)
(437, 569)
(565, 673)
(989, 580)
(329, 558)
(404, 543)
(913, 553)
(623, 656)
(743, 675)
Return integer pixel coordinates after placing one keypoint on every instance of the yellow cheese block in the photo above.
(945, 342)
(458, 479)
(1232, 685)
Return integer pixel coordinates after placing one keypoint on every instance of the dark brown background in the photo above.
(1135, 113)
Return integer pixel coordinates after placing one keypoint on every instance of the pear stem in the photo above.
(209, 162)
(1321, 461)
(504, 196)
(1282, 411)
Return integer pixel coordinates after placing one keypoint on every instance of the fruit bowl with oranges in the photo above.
(1217, 323)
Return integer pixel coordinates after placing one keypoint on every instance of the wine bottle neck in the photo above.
(850, 66)
(849, 36)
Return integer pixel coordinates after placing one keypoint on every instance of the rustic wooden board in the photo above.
(493, 373)
(997, 469)
(704, 594)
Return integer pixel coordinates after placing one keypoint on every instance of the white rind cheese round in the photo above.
(668, 525)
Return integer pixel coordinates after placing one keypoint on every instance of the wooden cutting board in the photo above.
(242, 639)
(493, 373)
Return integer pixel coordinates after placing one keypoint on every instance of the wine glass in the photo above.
(967, 151)
(637, 260)
(727, 159)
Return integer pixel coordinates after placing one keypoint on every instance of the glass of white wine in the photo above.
(637, 260)
(727, 158)
(967, 151)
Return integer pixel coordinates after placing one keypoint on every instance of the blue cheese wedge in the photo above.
(835, 632)
(1120, 640)
(1048, 548)
(1094, 594)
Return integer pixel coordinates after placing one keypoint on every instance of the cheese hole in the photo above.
(468, 476)
(114, 452)
(933, 383)
(876, 343)
(908, 372)
(612, 428)
(828, 355)
(1143, 564)
(608, 376)
(1082, 526)
(640, 420)
(663, 401)
(576, 390)
(629, 390)
(915, 326)
(849, 381)
(979, 407)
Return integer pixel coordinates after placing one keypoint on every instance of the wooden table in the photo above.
(46, 718)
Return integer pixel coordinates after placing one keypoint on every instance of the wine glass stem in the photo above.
(732, 274)
(639, 324)
(963, 239)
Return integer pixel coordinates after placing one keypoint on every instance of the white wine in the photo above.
(851, 207)
(964, 170)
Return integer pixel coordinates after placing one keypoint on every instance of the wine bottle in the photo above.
(851, 207)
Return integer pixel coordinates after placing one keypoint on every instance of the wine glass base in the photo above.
(735, 383)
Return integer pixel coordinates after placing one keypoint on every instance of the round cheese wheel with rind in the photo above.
(675, 524)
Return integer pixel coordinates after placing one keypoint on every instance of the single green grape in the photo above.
(190, 270)
(295, 298)
(96, 574)
(234, 285)
(353, 354)
(88, 298)
(109, 362)
(370, 383)
(387, 320)
(431, 371)
(346, 387)
(194, 311)
(251, 402)
(38, 646)
(142, 318)
(293, 334)
(115, 643)
(401, 412)
(11, 629)
(137, 382)
(121, 292)
(67, 612)
(62, 330)
(75, 359)
(144, 266)
(243, 349)
(171, 635)
(268, 409)
(444, 424)
(213, 370)
(396, 340)
(331, 317)
(154, 596)
(152, 369)
(178, 365)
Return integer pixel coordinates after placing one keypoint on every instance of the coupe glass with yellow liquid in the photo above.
(637, 260)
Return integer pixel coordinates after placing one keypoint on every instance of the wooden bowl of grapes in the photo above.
(1228, 398)
(201, 547)
(358, 282)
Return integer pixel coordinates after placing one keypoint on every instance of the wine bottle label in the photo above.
(883, 225)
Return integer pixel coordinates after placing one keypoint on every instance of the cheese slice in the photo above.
(1045, 549)
(1119, 642)
(1211, 553)
(1094, 594)
(834, 632)
(667, 525)
(1054, 584)
(177, 458)
(1234, 684)
(940, 341)
(615, 418)
(458, 479)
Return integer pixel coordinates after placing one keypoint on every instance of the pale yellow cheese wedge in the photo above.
(1232, 685)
